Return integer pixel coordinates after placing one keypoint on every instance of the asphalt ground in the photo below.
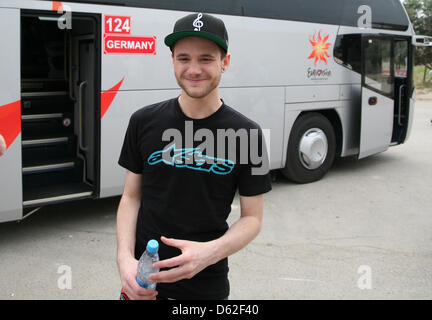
(362, 232)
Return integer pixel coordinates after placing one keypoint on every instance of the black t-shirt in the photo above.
(187, 190)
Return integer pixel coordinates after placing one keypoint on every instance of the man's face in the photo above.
(198, 66)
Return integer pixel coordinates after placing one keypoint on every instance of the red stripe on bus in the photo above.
(10, 121)
(108, 97)
(57, 6)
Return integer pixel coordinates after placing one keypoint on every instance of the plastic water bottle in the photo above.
(145, 263)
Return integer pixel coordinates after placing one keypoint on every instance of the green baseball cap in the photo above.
(199, 25)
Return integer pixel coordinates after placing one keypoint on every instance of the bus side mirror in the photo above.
(422, 41)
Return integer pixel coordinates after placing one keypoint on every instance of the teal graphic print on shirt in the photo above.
(191, 158)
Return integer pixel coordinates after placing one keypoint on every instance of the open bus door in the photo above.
(60, 85)
(10, 116)
(386, 111)
(377, 102)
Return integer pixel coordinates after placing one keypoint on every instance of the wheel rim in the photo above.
(313, 148)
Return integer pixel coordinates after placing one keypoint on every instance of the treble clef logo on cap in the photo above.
(198, 24)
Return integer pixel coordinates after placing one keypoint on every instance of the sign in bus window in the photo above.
(377, 65)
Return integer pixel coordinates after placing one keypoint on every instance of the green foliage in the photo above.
(419, 77)
(420, 13)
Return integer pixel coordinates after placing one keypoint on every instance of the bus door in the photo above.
(386, 112)
(377, 96)
(10, 116)
(403, 109)
(60, 85)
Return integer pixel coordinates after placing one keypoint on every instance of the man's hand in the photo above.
(195, 257)
(128, 273)
(2, 145)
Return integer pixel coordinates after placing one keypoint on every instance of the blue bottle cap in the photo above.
(152, 246)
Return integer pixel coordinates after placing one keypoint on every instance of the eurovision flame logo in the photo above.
(320, 47)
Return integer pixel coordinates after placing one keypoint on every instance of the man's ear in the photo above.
(172, 58)
(226, 62)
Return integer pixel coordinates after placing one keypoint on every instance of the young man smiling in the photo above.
(187, 209)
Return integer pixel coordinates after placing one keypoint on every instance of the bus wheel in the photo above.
(311, 148)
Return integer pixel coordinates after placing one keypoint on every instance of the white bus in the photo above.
(327, 79)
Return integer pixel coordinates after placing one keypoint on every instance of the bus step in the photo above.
(43, 94)
(59, 147)
(47, 124)
(42, 116)
(48, 166)
(62, 192)
(28, 143)
(46, 105)
(46, 174)
(43, 85)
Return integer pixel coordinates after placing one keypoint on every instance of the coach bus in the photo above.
(325, 79)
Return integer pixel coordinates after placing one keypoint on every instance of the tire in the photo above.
(311, 148)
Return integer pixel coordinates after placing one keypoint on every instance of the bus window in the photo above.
(347, 51)
(377, 65)
(401, 58)
(315, 11)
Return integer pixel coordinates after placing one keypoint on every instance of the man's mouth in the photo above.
(194, 80)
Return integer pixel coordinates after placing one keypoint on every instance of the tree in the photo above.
(420, 13)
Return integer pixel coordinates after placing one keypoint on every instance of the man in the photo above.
(2, 145)
(176, 195)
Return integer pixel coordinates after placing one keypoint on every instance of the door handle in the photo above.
(82, 85)
(400, 105)
(373, 101)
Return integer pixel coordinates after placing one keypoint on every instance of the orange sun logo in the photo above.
(320, 47)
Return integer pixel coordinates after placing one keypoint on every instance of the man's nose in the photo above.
(194, 68)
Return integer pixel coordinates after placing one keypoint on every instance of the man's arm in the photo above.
(127, 215)
(244, 230)
(196, 256)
